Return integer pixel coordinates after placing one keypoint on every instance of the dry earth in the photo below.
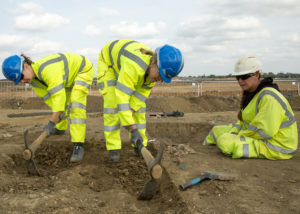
(95, 186)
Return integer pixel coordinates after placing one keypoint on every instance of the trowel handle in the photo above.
(28, 153)
(192, 182)
(156, 170)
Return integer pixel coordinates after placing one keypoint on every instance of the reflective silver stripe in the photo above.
(141, 126)
(42, 66)
(242, 138)
(277, 148)
(121, 52)
(78, 105)
(66, 67)
(51, 61)
(283, 105)
(77, 121)
(213, 136)
(36, 85)
(56, 89)
(141, 110)
(53, 91)
(110, 110)
(102, 55)
(146, 87)
(79, 82)
(46, 97)
(82, 64)
(124, 89)
(111, 128)
(259, 131)
(140, 96)
(238, 126)
(123, 107)
(111, 82)
(111, 46)
(101, 85)
(136, 59)
(245, 150)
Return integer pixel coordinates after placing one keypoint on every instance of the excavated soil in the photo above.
(96, 186)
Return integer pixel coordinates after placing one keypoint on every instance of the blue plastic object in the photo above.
(12, 68)
(169, 61)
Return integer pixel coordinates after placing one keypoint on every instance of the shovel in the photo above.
(155, 170)
(30, 150)
(207, 176)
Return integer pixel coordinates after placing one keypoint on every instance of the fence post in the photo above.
(201, 89)
(298, 88)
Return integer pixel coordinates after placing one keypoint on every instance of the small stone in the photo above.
(47, 191)
(32, 196)
(7, 135)
(203, 192)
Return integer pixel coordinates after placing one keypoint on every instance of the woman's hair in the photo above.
(149, 52)
(27, 59)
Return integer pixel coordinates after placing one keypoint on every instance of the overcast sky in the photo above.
(212, 36)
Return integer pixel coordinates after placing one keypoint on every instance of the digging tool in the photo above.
(167, 114)
(207, 176)
(30, 150)
(181, 163)
(155, 170)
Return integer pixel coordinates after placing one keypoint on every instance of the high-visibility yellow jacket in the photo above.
(122, 64)
(269, 118)
(55, 74)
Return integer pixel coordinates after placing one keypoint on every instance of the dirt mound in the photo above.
(94, 178)
(154, 104)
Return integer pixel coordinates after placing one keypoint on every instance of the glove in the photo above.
(50, 128)
(136, 138)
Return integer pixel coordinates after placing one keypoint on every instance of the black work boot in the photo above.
(114, 156)
(78, 152)
(59, 132)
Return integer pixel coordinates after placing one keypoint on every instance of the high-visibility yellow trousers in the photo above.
(239, 146)
(112, 121)
(76, 104)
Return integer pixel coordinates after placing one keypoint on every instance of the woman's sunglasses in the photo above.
(244, 77)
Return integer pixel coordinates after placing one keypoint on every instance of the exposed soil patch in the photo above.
(96, 186)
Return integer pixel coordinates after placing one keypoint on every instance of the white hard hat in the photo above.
(247, 65)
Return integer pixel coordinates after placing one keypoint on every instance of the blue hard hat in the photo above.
(12, 68)
(169, 62)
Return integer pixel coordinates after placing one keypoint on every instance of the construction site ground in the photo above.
(96, 186)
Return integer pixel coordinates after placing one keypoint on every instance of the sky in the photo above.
(212, 35)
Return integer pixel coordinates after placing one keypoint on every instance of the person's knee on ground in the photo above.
(215, 132)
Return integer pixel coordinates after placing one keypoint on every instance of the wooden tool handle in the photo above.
(28, 153)
(156, 171)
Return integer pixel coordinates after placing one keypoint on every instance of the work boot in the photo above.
(78, 152)
(59, 132)
(114, 156)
